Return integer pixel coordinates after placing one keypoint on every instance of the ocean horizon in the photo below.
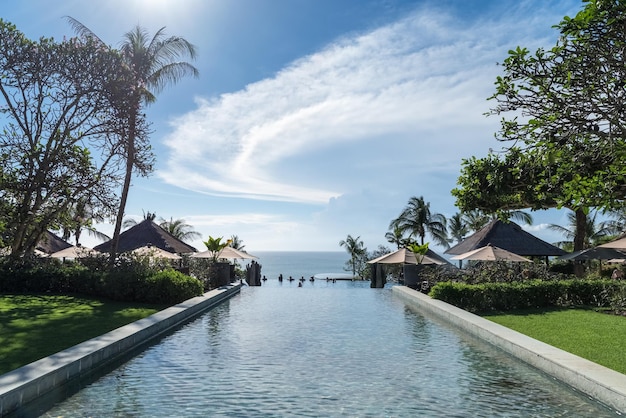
(300, 263)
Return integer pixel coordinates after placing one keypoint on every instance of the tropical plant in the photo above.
(152, 64)
(595, 233)
(416, 219)
(419, 250)
(179, 229)
(396, 237)
(236, 243)
(215, 245)
(357, 251)
(457, 228)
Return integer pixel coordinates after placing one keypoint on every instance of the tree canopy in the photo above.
(58, 106)
(566, 134)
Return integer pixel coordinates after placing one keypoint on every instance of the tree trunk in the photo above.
(579, 238)
(130, 162)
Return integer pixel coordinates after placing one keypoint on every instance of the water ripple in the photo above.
(345, 351)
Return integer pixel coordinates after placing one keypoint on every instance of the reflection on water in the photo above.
(327, 349)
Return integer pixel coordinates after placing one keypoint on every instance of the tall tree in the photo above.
(396, 237)
(356, 249)
(595, 232)
(236, 243)
(58, 104)
(417, 220)
(153, 63)
(569, 149)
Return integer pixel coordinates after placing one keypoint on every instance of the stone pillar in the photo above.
(378, 276)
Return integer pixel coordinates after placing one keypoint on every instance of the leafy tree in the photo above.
(569, 145)
(58, 102)
(179, 228)
(153, 64)
(80, 217)
(356, 249)
(416, 219)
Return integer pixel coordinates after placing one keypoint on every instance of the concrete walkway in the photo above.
(42, 376)
(599, 382)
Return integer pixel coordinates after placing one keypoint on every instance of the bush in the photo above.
(130, 280)
(171, 286)
(485, 297)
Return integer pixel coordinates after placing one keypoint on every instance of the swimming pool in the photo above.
(325, 349)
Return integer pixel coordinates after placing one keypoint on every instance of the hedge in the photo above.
(131, 283)
(486, 297)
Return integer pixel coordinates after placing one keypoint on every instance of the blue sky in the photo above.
(314, 119)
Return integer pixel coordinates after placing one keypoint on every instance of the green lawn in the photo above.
(596, 336)
(35, 326)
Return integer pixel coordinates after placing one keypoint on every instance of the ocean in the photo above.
(301, 263)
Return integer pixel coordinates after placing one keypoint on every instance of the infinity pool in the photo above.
(326, 349)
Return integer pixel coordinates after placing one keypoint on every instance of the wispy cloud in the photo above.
(413, 91)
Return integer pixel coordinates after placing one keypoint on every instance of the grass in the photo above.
(36, 326)
(595, 336)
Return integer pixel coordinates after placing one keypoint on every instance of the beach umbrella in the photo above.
(597, 253)
(156, 252)
(75, 252)
(490, 253)
(226, 252)
(405, 256)
(617, 244)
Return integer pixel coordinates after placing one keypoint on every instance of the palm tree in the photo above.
(595, 233)
(417, 220)
(179, 229)
(396, 237)
(153, 64)
(236, 243)
(457, 228)
(356, 249)
(130, 222)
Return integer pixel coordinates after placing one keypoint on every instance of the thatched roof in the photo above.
(50, 243)
(509, 236)
(147, 233)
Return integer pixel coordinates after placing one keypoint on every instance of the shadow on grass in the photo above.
(35, 326)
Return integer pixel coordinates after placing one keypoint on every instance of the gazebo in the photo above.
(508, 236)
(147, 233)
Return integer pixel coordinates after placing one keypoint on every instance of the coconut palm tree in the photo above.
(179, 229)
(356, 249)
(595, 233)
(457, 228)
(417, 220)
(130, 222)
(396, 237)
(236, 243)
(153, 64)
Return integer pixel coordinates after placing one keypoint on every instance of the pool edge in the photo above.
(599, 382)
(33, 380)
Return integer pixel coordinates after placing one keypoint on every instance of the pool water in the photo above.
(325, 349)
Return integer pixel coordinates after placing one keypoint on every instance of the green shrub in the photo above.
(485, 297)
(171, 286)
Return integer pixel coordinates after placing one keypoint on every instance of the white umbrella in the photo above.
(226, 252)
(404, 256)
(490, 253)
(619, 244)
(156, 252)
(75, 252)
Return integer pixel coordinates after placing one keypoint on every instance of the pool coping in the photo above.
(599, 382)
(33, 380)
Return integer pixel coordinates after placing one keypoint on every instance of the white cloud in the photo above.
(413, 88)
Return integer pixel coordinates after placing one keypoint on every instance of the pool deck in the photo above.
(29, 382)
(596, 381)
